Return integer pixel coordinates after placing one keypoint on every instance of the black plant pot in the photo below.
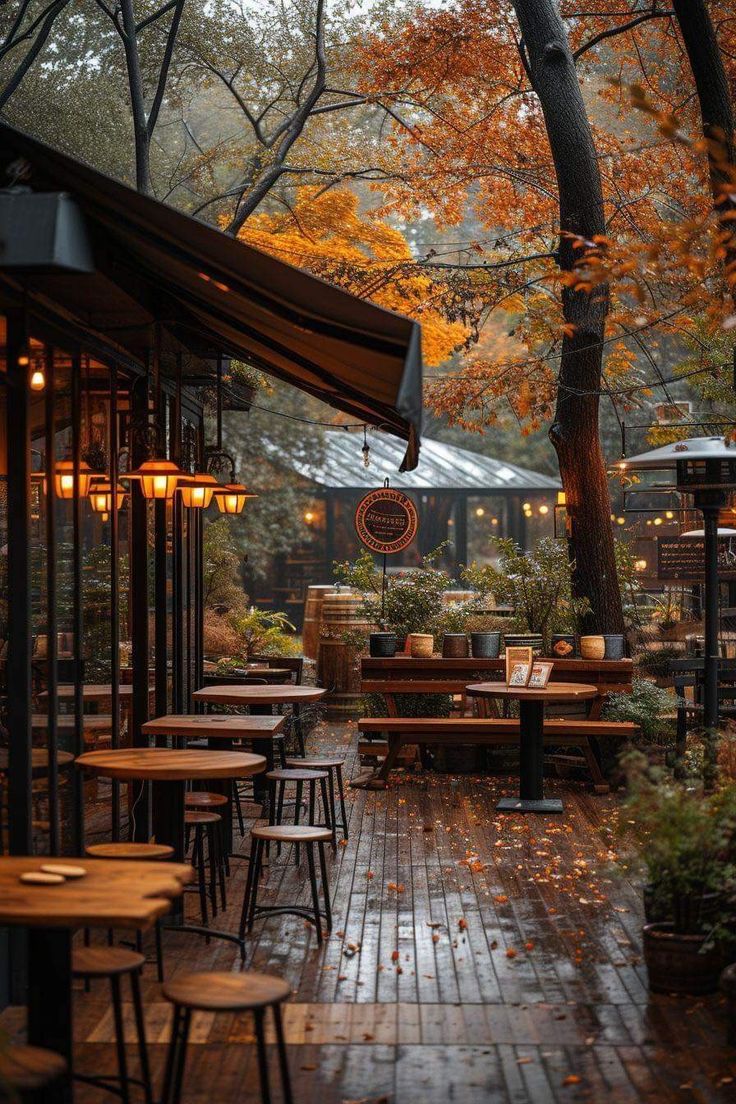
(454, 645)
(382, 644)
(615, 646)
(485, 645)
(562, 645)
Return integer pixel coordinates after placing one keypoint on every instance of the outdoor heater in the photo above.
(705, 467)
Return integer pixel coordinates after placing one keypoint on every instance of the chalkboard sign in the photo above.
(683, 561)
(386, 520)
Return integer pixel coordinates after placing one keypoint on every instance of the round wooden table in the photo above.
(39, 760)
(286, 694)
(168, 772)
(531, 797)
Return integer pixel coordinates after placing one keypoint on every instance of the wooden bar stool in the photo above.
(329, 764)
(280, 778)
(206, 825)
(28, 1071)
(220, 992)
(206, 801)
(93, 963)
(141, 852)
(306, 835)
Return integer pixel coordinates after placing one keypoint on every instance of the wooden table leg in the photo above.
(50, 1001)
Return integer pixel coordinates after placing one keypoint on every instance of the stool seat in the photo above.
(191, 816)
(202, 799)
(292, 833)
(91, 962)
(140, 851)
(317, 763)
(221, 992)
(289, 774)
(29, 1068)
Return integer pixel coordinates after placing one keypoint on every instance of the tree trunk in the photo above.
(575, 432)
(716, 107)
(141, 136)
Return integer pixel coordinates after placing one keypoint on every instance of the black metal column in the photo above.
(19, 591)
(710, 685)
(51, 636)
(77, 778)
(138, 521)
(114, 596)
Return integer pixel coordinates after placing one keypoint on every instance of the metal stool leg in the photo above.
(283, 1060)
(159, 951)
(212, 863)
(167, 1089)
(262, 1056)
(140, 1027)
(248, 890)
(181, 1056)
(325, 886)
(328, 804)
(309, 848)
(117, 1010)
(297, 814)
(254, 888)
(199, 863)
(280, 811)
(341, 792)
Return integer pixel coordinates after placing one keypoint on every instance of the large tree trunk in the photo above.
(575, 432)
(716, 107)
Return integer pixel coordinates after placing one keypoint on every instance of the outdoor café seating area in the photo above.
(403, 858)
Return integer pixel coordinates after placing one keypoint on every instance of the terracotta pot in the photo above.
(677, 963)
(421, 645)
(592, 647)
(454, 645)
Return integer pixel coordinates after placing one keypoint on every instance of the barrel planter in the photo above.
(677, 963)
(455, 645)
(383, 644)
(485, 645)
(313, 618)
(338, 664)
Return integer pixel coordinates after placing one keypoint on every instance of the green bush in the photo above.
(645, 706)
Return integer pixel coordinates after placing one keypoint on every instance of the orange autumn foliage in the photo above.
(327, 233)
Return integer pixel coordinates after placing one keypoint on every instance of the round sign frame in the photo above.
(374, 529)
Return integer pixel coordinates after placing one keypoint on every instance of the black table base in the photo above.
(531, 797)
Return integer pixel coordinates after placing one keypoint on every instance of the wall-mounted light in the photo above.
(158, 478)
(479, 511)
(561, 498)
(37, 380)
(232, 497)
(658, 521)
(64, 478)
(197, 490)
(544, 509)
(100, 496)
(620, 520)
(309, 516)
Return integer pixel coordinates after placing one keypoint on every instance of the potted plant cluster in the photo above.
(650, 707)
(683, 840)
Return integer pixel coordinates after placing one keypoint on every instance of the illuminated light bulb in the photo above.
(620, 521)
(64, 479)
(479, 511)
(197, 491)
(37, 381)
(613, 517)
(100, 497)
(641, 565)
(658, 521)
(158, 478)
(544, 509)
(669, 515)
(309, 516)
(494, 521)
(231, 498)
(561, 498)
(622, 465)
(649, 521)
(526, 506)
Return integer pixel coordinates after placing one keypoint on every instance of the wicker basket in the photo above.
(421, 645)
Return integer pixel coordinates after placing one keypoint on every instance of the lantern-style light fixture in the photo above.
(64, 478)
(232, 497)
(101, 495)
(158, 478)
(197, 490)
(37, 379)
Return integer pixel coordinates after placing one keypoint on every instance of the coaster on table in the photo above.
(37, 877)
(64, 870)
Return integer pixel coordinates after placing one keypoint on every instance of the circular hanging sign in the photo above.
(386, 520)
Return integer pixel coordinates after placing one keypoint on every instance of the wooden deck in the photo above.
(474, 957)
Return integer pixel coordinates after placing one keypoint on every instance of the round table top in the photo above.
(553, 691)
(227, 727)
(164, 765)
(39, 760)
(93, 691)
(259, 695)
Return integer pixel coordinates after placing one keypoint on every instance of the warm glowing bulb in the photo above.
(38, 380)
(544, 509)
(308, 516)
(649, 521)
(641, 565)
(613, 517)
(622, 465)
(526, 505)
(620, 521)
(561, 498)
(494, 521)
(479, 512)
(669, 515)
(658, 521)
(67, 485)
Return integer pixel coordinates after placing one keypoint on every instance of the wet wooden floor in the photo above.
(474, 957)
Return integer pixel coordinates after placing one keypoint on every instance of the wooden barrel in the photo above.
(338, 659)
(313, 618)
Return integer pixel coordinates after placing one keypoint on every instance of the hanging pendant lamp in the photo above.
(197, 490)
(64, 478)
(232, 497)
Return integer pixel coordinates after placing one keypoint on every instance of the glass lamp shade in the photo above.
(64, 478)
(158, 478)
(198, 490)
(100, 497)
(231, 498)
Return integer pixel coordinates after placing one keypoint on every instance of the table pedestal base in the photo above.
(529, 805)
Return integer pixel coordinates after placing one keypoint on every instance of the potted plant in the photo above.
(683, 841)
(264, 632)
(650, 707)
(538, 584)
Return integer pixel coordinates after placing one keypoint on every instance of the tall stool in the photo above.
(209, 825)
(92, 963)
(278, 781)
(306, 835)
(28, 1071)
(141, 852)
(211, 992)
(330, 764)
(206, 801)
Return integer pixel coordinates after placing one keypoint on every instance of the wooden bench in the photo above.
(403, 675)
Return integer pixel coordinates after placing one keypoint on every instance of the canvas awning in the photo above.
(218, 295)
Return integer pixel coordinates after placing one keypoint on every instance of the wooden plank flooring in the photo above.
(474, 957)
